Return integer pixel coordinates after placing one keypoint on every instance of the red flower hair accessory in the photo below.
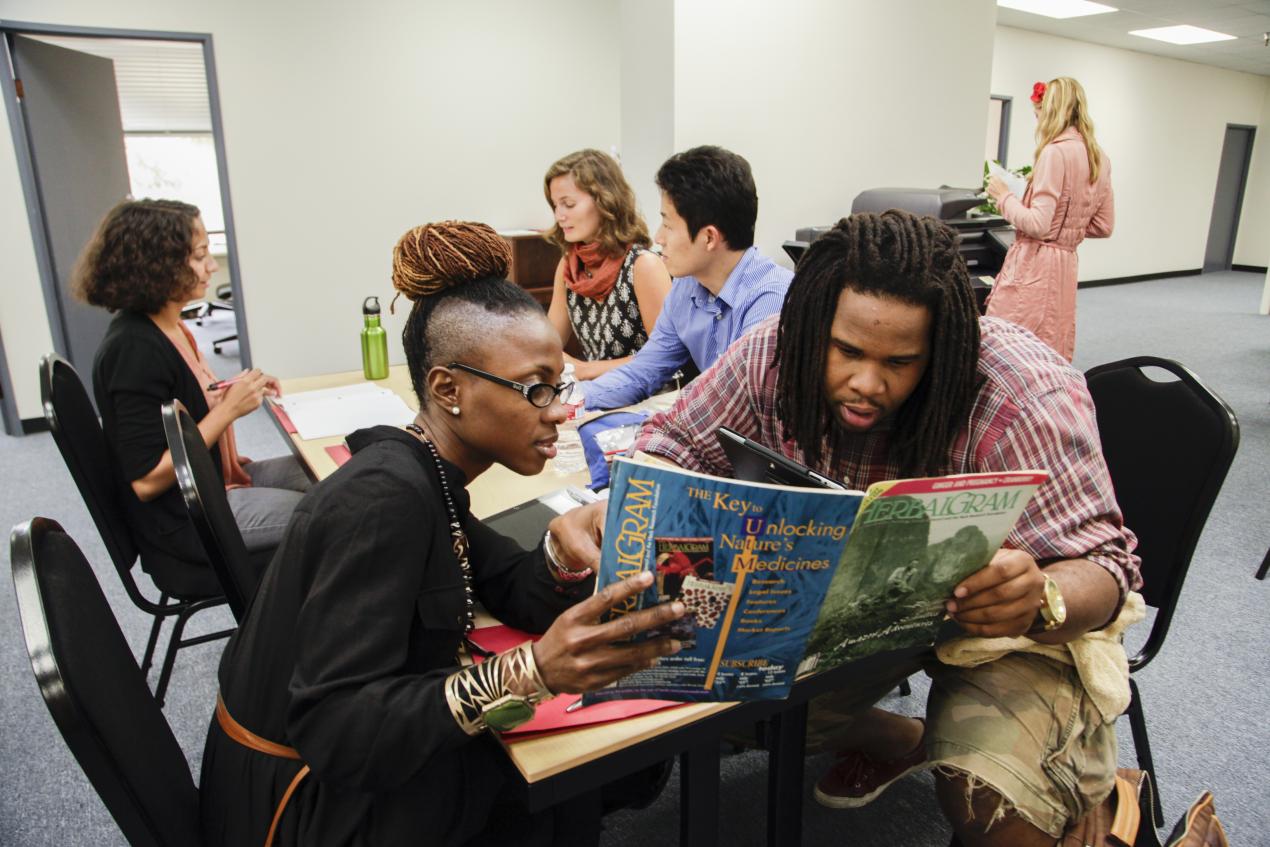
(1038, 91)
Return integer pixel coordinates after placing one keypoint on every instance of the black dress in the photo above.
(343, 656)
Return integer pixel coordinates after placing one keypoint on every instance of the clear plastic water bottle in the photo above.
(570, 457)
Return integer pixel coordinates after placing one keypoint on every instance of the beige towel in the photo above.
(1098, 656)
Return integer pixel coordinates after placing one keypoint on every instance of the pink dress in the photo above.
(1036, 288)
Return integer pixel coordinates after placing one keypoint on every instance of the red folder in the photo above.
(339, 453)
(552, 716)
(281, 415)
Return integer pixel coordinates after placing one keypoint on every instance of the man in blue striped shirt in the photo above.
(722, 285)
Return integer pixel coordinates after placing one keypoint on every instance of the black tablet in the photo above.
(753, 462)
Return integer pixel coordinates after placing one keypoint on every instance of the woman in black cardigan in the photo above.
(147, 260)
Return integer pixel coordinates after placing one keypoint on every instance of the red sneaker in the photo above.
(856, 779)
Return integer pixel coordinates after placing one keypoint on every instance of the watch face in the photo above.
(1056, 609)
(508, 713)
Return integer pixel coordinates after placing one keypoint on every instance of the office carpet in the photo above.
(1205, 695)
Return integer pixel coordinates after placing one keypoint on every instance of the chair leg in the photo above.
(148, 658)
(169, 658)
(1138, 723)
(1265, 566)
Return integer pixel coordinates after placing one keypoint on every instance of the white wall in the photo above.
(648, 98)
(23, 319)
(1162, 122)
(344, 126)
(826, 98)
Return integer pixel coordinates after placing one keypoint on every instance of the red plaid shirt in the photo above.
(1032, 411)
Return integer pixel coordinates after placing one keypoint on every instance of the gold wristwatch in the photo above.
(1053, 611)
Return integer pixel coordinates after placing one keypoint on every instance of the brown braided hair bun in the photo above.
(436, 256)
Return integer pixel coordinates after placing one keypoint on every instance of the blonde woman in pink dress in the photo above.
(1068, 199)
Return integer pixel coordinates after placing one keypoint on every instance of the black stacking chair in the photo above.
(1166, 477)
(96, 693)
(203, 488)
(183, 590)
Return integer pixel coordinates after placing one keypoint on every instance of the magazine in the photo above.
(776, 581)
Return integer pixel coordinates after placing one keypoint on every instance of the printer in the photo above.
(982, 239)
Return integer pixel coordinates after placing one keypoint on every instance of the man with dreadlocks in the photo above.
(879, 367)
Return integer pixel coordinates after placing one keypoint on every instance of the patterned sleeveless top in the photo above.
(613, 327)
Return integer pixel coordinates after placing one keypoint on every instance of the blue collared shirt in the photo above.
(694, 324)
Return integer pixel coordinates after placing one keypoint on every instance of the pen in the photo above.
(223, 383)
(574, 706)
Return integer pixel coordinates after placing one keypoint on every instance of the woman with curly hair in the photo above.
(146, 261)
(609, 286)
(1068, 200)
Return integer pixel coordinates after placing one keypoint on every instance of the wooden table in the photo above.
(564, 765)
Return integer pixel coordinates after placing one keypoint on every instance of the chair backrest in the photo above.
(95, 692)
(203, 489)
(1168, 446)
(79, 437)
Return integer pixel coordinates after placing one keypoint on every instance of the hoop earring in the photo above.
(454, 410)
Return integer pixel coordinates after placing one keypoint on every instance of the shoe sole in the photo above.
(833, 801)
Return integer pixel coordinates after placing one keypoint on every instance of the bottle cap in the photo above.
(370, 306)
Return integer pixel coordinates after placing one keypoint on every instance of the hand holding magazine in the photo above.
(781, 580)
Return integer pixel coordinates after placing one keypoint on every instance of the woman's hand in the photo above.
(997, 189)
(576, 535)
(245, 395)
(1001, 598)
(578, 653)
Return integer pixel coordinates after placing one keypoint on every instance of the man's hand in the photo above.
(576, 535)
(1001, 598)
(578, 653)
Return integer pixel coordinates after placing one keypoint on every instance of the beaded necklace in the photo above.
(458, 538)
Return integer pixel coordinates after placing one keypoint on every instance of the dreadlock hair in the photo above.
(895, 255)
(454, 271)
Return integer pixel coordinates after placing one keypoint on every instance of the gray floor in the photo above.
(1204, 698)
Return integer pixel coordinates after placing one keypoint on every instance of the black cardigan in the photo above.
(136, 370)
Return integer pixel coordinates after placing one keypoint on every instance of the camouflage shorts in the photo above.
(1023, 726)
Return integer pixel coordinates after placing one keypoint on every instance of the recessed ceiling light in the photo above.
(1185, 34)
(1058, 8)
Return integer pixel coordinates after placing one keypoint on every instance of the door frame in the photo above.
(1243, 187)
(34, 204)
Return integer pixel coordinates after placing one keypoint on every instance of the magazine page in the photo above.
(913, 542)
(751, 561)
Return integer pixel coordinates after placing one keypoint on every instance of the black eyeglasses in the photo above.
(540, 394)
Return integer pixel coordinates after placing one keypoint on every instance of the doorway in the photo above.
(1232, 176)
(97, 115)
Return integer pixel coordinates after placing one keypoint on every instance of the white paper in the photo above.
(1013, 181)
(338, 411)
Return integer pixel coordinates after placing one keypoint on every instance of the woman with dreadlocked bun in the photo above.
(347, 660)
(1068, 199)
(877, 368)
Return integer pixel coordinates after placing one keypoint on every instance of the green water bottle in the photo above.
(374, 341)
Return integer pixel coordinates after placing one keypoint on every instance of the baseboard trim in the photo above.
(1121, 280)
(1252, 269)
(34, 425)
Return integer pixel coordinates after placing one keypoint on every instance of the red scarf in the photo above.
(590, 273)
